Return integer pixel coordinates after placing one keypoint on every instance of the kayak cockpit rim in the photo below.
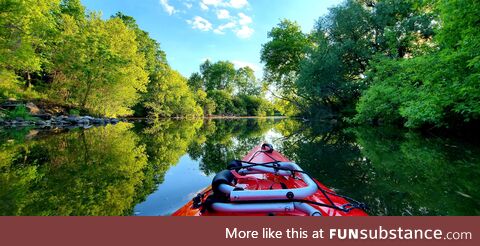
(261, 195)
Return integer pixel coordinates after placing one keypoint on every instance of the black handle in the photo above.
(269, 146)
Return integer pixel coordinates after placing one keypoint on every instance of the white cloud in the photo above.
(238, 22)
(200, 24)
(213, 2)
(229, 25)
(203, 6)
(244, 32)
(223, 14)
(188, 5)
(244, 19)
(238, 4)
(167, 7)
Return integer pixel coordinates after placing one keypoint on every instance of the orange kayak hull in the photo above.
(271, 181)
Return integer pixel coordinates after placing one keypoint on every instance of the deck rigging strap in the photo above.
(353, 204)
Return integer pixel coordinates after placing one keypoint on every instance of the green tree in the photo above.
(282, 56)
(155, 57)
(331, 75)
(73, 8)
(196, 82)
(223, 101)
(402, 28)
(207, 104)
(218, 76)
(436, 89)
(26, 27)
(97, 66)
(170, 96)
(246, 83)
(228, 91)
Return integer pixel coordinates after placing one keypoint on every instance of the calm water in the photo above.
(154, 169)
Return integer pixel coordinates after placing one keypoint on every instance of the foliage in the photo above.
(94, 172)
(195, 82)
(223, 90)
(223, 101)
(171, 96)
(26, 26)
(395, 172)
(403, 28)
(283, 54)
(207, 104)
(255, 106)
(97, 56)
(438, 89)
(394, 61)
(12, 86)
(20, 111)
(56, 49)
(246, 83)
(218, 76)
(74, 112)
(331, 75)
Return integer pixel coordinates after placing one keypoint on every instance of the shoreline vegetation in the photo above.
(56, 53)
(414, 64)
(29, 115)
(409, 63)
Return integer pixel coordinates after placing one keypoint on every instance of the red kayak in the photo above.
(265, 183)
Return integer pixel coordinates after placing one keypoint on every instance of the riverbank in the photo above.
(64, 121)
(44, 114)
(59, 121)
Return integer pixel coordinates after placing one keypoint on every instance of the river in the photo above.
(142, 169)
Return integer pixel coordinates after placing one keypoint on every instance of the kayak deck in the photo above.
(323, 199)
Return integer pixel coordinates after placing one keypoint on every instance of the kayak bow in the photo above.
(265, 182)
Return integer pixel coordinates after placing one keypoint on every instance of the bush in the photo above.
(74, 112)
(20, 111)
(223, 101)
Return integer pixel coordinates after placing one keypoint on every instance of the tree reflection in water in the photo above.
(108, 170)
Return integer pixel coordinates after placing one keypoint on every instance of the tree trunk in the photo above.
(29, 80)
(84, 102)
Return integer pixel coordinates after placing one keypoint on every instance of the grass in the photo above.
(20, 111)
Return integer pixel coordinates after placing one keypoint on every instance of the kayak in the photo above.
(266, 183)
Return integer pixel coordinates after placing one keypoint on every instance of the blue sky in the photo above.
(191, 31)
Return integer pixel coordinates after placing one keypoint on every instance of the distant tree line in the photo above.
(409, 62)
(55, 50)
(223, 90)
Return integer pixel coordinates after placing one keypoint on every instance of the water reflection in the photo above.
(93, 172)
(395, 172)
(153, 169)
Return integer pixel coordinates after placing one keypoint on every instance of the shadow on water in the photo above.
(154, 169)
